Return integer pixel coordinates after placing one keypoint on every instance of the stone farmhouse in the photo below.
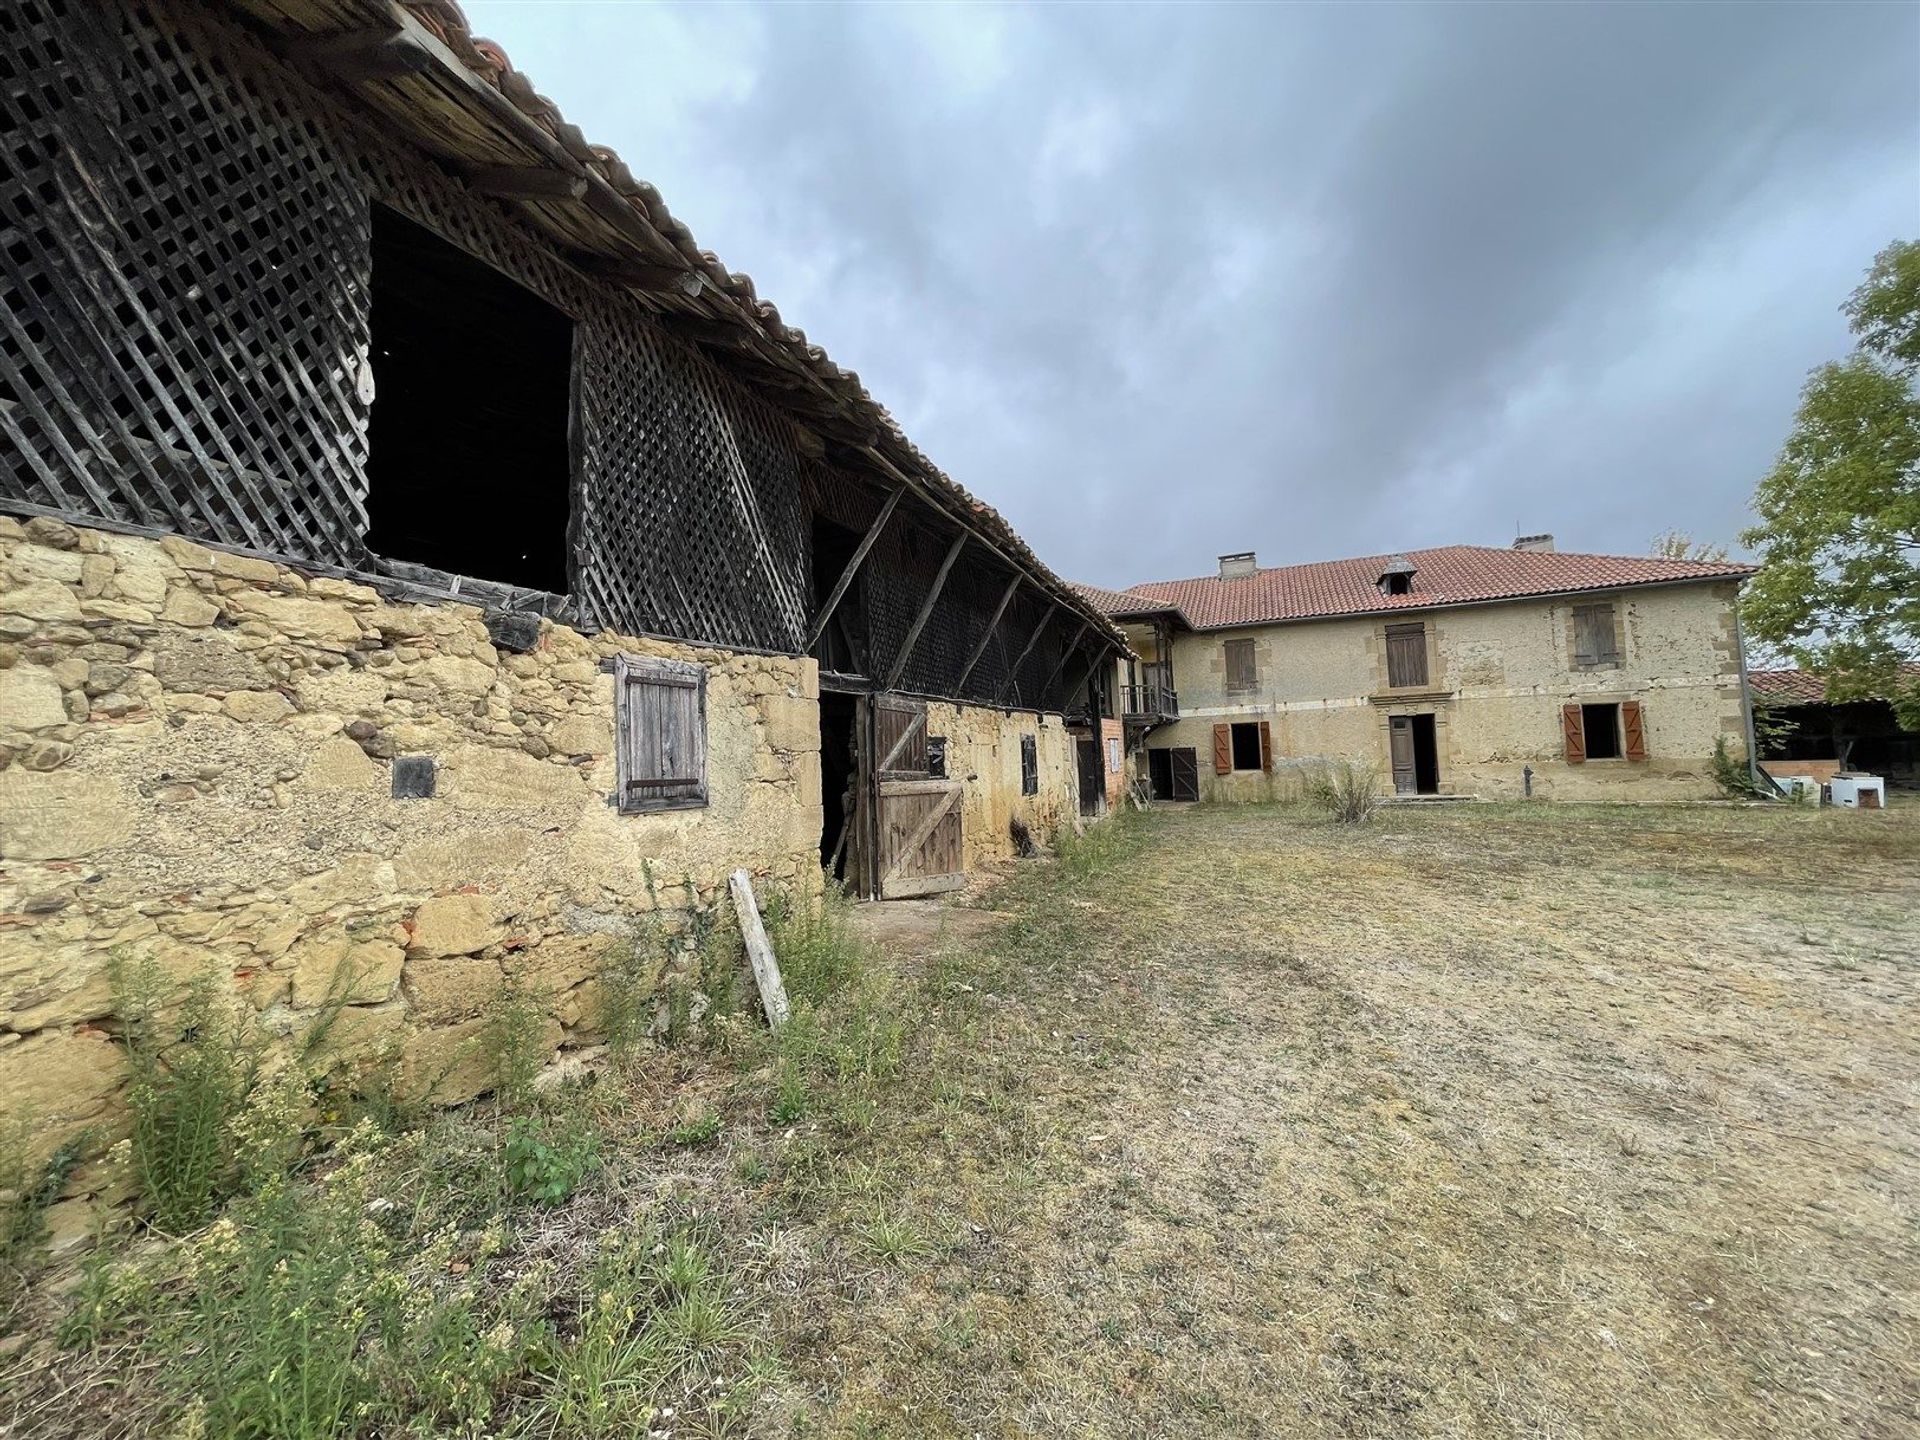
(1462, 670)
(421, 563)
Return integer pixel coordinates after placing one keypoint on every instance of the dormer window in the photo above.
(1397, 577)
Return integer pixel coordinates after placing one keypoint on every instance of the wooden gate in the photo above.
(917, 847)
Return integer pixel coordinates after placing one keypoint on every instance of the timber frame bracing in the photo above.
(185, 348)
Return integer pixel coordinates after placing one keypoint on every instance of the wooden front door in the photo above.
(1183, 773)
(1406, 779)
(917, 847)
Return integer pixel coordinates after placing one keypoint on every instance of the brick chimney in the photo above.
(1237, 567)
(1543, 544)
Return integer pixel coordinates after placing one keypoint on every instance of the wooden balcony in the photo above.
(1151, 702)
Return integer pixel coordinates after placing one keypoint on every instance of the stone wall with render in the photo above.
(1499, 676)
(195, 767)
(983, 753)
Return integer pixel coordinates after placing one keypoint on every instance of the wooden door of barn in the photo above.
(917, 842)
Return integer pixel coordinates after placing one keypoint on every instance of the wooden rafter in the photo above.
(926, 609)
(1013, 670)
(1066, 654)
(841, 585)
(986, 635)
(526, 182)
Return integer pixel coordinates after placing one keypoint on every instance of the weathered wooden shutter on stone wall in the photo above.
(1222, 749)
(1634, 726)
(1593, 637)
(660, 733)
(1573, 731)
(1242, 672)
(1406, 655)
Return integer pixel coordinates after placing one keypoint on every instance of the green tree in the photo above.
(1839, 532)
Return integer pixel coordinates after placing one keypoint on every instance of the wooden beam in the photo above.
(638, 275)
(853, 568)
(365, 56)
(986, 635)
(526, 182)
(1013, 670)
(766, 968)
(926, 609)
(1065, 655)
(702, 331)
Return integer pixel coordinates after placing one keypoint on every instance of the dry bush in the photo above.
(1344, 790)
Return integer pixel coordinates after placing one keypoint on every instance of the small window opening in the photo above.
(1398, 584)
(1029, 766)
(1246, 746)
(937, 756)
(468, 464)
(1601, 726)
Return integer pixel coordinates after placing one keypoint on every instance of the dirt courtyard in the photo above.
(1471, 1121)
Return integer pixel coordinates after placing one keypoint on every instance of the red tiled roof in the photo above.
(1117, 603)
(1799, 687)
(1449, 575)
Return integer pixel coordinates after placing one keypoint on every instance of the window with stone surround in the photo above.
(1406, 655)
(1596, 642)
(660, 733)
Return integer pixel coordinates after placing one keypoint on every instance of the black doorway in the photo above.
(1093, 791)
(839, 777)
(1416, 754)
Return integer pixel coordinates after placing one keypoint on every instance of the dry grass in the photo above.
(1477, 1121)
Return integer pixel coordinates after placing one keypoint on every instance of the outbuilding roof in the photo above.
(1799, 687)
(458, 98)
(1448, 575)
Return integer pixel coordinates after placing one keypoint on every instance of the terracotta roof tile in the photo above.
(1449, 575)
(1798, 687)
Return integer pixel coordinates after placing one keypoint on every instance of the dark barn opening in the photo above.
(468, 467)
(842, 646)
(839, 773)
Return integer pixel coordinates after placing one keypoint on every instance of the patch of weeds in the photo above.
(628, 983)
(695, 1130)
(790, 1095)
(820, 954)
(515, 1029)
(544, 1166)
(190, 1069)
(658, 1313)
(1344, 791)
(892, 1237)
(27, 1191)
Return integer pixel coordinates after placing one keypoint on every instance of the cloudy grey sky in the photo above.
(1164, 281)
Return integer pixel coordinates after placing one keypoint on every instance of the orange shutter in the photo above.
(1635, 727)
(1575, 732)
(1222, 750)
(1266, 746)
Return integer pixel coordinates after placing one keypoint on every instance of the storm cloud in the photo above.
(1161, 282)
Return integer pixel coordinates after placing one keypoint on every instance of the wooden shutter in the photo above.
(1406, 655)
(1242, 673)
(1573, 731)
(1633, 726)
(1266, 746)
(1593, 637)
(661, 733)
(1222, 749)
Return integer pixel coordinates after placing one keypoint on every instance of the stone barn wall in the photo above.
(983, 752)
(196, 756)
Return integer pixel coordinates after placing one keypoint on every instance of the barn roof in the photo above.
(1449, 575)
(457, 97)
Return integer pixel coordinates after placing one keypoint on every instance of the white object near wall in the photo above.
(1859, 792)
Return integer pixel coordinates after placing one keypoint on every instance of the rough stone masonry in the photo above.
(195, 769)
